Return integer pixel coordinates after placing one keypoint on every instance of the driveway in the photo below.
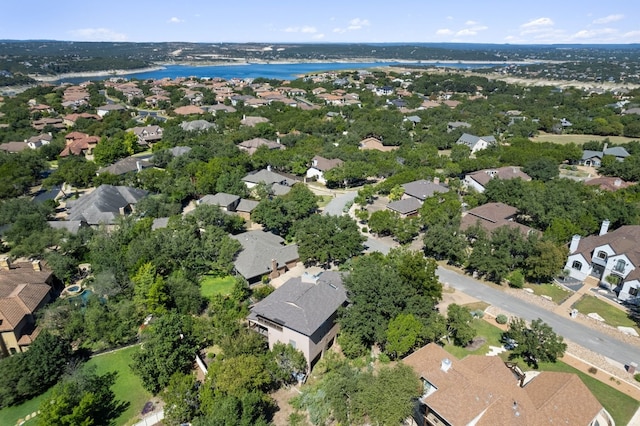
(337, 205)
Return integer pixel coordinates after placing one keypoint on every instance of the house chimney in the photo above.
(445, 365)
(139, 166)
(436, 180)
(604, 148)
(274, 266)
(5, 263)
(268, 167)
(36, 265)
(575, 242)
(604, 227)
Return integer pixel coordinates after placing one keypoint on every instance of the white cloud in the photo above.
(318, 36)
(98, 34)
(536, 25)
(444, 31)
(354, 25)
(357, 23)
(175, 20)
(471, 23)
(632, 34)
(305, 29)
(608, 19)
(588, 34)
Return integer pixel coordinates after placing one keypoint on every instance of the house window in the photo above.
(292, 343)
(577, 265)
(602, 255)
(633, 291)
(620, 265)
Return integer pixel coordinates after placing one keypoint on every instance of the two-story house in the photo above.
(611, 257)
(302, 312)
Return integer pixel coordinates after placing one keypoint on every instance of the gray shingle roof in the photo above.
(247, 205)
(259, 249)
(303, 305)
(221, 199)
(126, 165)
(422, 189)
(406, 206)
(472, 140)
(268, 177)
(103, 205)
(70, 225)
(194, 125)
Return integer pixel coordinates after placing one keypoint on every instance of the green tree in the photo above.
(541, 169)
(403, 335)
(459, 325)
(536, 343)
(181, 398)
(168, 347)
(85, 398)
(328, 239)
(289, 361)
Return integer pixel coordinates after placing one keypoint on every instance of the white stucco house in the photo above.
(302, 312)
(479, 179)
(319, 165)
(476, 143)
(612, 257)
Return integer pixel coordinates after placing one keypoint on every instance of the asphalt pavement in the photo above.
(589, 338)
(337, 204)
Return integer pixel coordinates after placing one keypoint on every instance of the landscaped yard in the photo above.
(555, 292)
(128, 388)
(11, 415)
(211, 285)
(612, 315)
(490, 333)
(620, 405)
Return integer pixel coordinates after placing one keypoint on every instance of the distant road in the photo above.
(586, 337)
(336, 205)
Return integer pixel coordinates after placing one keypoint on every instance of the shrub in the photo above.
(592, 370)
(384, 358)
(637, 377)
(516, 279)
(502, 319)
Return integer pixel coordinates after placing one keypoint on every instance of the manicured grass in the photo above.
(128, 386)
(620, 405)
(211, 285)
(477, 306)
(323, 200)
(491, 333)
(579, 139)
(611, 314)
(10, 415)
(554, 291)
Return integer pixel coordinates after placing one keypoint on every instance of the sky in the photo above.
(326, 21)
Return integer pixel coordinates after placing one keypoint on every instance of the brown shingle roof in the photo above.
(484, 176)
(491, 216)
(483, 390)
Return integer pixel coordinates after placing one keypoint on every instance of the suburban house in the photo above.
(483, 390)
(25, 287)
(126, 165)
(492, 216)
(253, 121)
(277, 183)
(319, 165)
(476, 143)
(13, 147)
(71, 119)
(55, 122)
(302, 312)
(263, 254)
(106, 109)
(478, 180)
(611, 257)
(594, 158)
(147, 135)
(78, 143)
(105, 204)
(35, 142)
(372, 142)
(188, 110)
(196, 125)
(414, 195)
(454, 125)
(231, 203)
(608, 183)
(251, 146)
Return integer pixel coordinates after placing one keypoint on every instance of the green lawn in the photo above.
(491, 333)
(211, 285)
(611, 314)
(128, 386)
(554, 291)
(323, 200)
(11, 415)
(620, 405)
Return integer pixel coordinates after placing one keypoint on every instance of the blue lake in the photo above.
(275, 71)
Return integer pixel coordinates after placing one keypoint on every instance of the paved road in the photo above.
(336, 206)
(584, 336)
